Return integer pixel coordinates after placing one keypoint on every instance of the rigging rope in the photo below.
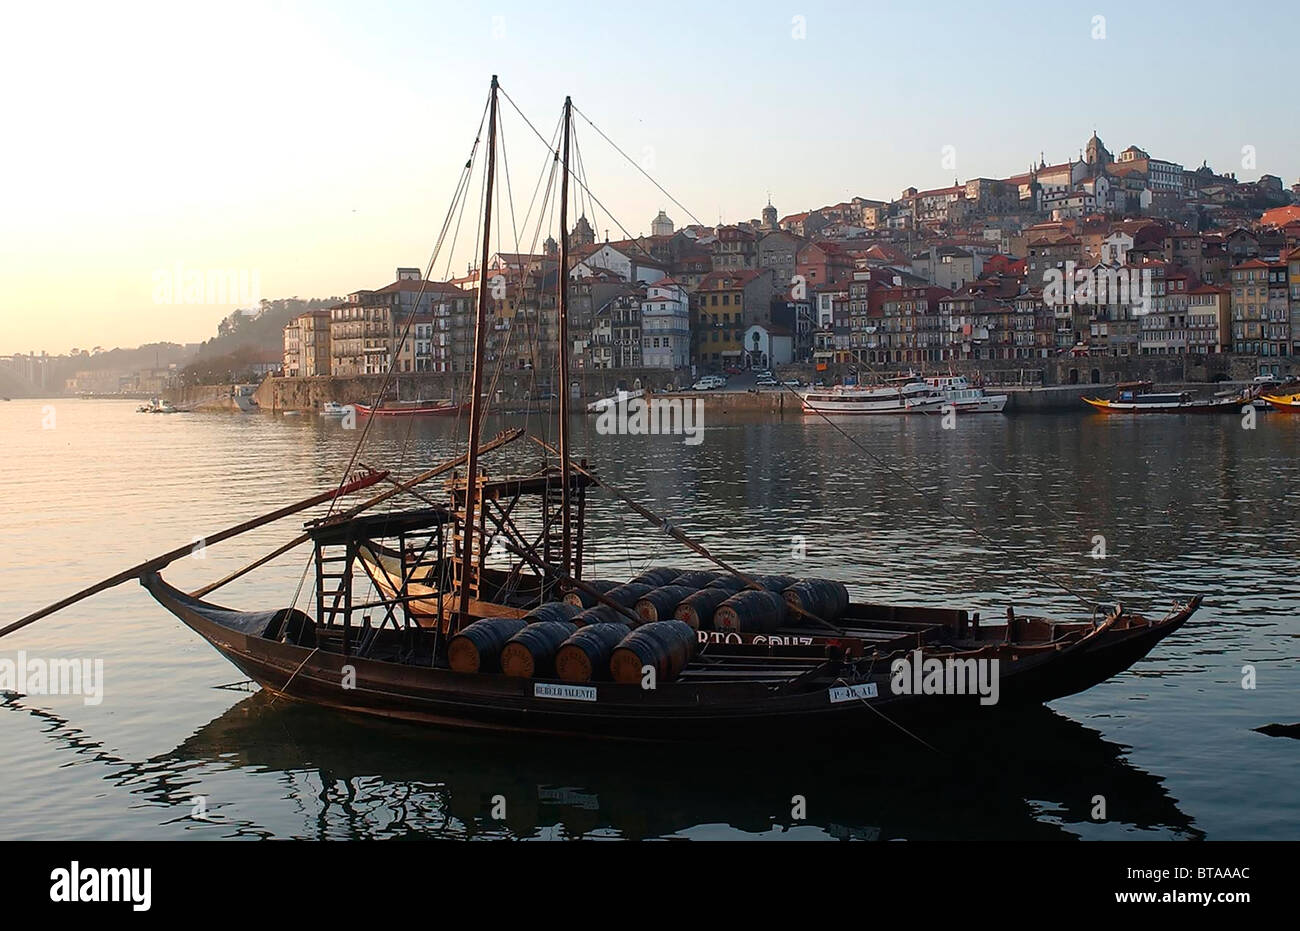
(638, 167)
(462, 187)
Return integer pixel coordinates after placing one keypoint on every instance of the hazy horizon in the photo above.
(314, 148)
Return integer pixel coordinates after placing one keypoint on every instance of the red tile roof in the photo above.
(414, 286)
(739, 277)
(1279, 216)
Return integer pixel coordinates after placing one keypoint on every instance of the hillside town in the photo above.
(1101, 255)
(958, 273)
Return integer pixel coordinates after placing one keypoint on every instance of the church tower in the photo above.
(1097, 155)
(661, 225)
(583, 234)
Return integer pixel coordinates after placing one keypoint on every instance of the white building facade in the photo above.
(666, 326)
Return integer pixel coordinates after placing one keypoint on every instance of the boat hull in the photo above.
(674, 711)
(874, 408)
(1191, 407)
(989, 404)
(1286, 402)
(436, 410)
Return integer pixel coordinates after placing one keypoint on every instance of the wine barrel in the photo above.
(552, 611)
(823, 598)
(751, 611)
(697, 609)
(601, 614)
(728, 583)
(665, 645)
(775, 583)
(531, 652)
(477, 648)
(629, 594)
(659, 604)
(585, 655)
(656, 576)
(697, 578)
(581, 599)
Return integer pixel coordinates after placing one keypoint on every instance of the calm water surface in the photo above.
(1185, 505)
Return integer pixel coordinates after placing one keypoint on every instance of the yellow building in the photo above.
(724, 304)
(1293, 291)
(1209, 319)
(1249, 306)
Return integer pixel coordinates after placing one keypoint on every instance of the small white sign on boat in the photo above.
(850, 692)
(570, 692)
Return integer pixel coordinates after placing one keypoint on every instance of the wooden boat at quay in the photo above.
(411, 409)
(1283, 402)
(1137, 397)
(471, 610)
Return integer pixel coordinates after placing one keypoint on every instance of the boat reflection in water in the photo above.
(1028, 775)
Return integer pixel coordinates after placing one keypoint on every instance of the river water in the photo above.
(1139, 510)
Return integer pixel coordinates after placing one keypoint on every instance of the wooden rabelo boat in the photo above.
(471, 610)
(1284, 402)
(1137, 397)
(411, 409)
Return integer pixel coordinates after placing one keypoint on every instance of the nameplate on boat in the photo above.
(571, 692)
(850, 692)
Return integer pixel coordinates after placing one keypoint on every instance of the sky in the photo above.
(309, 149)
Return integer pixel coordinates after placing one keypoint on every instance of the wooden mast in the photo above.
(566, 531)
(476, 373)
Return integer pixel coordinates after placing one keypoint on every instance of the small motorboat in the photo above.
(614, 400)
(334, 409)
(157, 406)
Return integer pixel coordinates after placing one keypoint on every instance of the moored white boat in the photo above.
(620, 397)
(333, 409)
(157, 406)
(902, 397)
(965, 397)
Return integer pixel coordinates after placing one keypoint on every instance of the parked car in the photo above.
(766, 381)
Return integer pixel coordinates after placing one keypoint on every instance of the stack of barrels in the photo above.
(583, 639)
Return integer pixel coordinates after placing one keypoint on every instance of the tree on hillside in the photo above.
(263, 331)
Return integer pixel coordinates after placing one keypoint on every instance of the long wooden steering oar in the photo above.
(159, 562)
